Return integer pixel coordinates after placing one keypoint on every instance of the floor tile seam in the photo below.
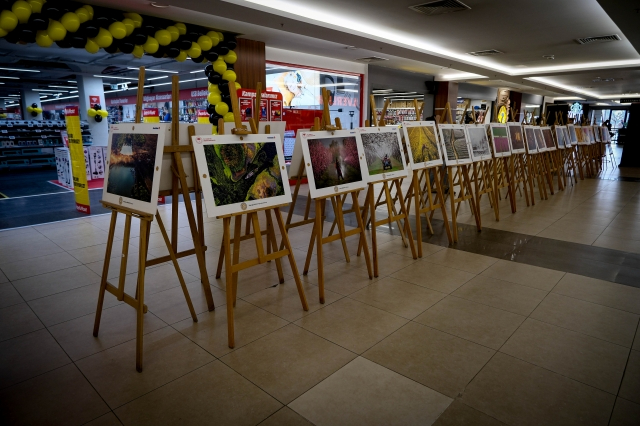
(418, 285)
(152, 390)
(589, 301)
(34, 258)
(96, 418)
(624, 371)
(425, 259)
(4, 388)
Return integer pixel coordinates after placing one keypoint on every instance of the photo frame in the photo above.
(530, 138)
(561, 136)
(573, 135)
(547, 135)
(516, 136)
(479, 142)
(333, 161)
(134, 166)
(383, 153)
(542, 146)
(241, 173)
(500, 140)
(454, 144)
(423, 147)
(580, 135)
(166, 177)
(597, 136)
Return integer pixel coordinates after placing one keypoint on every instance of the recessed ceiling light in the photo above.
(18, 69)
(158, 78)
(49, 90)
(116, 77)
(153, 70)
(63, 87)
(10, 78)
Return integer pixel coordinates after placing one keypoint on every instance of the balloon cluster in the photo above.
(34, 109)
(222, 79)
(70, 24)
(97, 113)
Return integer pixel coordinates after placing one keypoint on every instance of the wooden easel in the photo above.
(463, 180)
(137, 302)
(552, 165)
(519, 172)
(370, 207)
(232, 264)
(421, 192)
(337, 201)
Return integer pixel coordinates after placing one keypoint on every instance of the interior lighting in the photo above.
(11, 78)
(18, 69)
(149, 69)
(48, 90)
(116, 77)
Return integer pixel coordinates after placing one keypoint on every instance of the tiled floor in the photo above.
(456, 337)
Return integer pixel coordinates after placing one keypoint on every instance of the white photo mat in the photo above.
(241, 206)
(478, 132)
(166, 177)
(276, 127)
(431, 126)
(542, 147)
(451, 158)
(158, 129)
(573, 137)
(393, 133)
(520, 132)
(530, 139)
(560, 136)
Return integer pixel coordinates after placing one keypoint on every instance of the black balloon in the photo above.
(192, 36)
(113, 47)
(102, 21)
(224, 87)
(126, 46)
(231, 44)
(211, 108)
(148, 28)
(38, 21)
(63, 44)
(97, 107)
(208, 69)
(226, 99)
(34, 105)
(173, 52)
(98, 118)
(90, 30)
(213, 119)
(198, 59)
(184, 44)
(13, 37)
(52, 9)
(214, 77)
(27, 34)
(210, 55)
(79, 42)
(221, 50)
(230, 67)
(34, 114)
(138, 37)
(160, 53)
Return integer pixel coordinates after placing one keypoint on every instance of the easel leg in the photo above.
(356, 204)
(437, 177)
(229, 281)
(125, 256)
(271, 242)
(416, 194)
(236, 256)
(144, 229)
(405, 213)
(365, 213)
(374, 237)
(105, 272)
(337, 205)
(318, 234)
(454, 213)
(292, 260)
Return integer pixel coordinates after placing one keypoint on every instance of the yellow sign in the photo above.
(78, 166)
(502, 114)
(150, 115)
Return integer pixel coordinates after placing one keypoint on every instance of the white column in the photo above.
(27, 98)
(92, 86)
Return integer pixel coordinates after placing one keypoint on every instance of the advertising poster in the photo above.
(150, 115)
(78, 166)
(299, 87)
(275, 108)
(246, 99)
(203, 116)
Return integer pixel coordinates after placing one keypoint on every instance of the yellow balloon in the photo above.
(43, 39)
(91, 46)
(219, 66)
(214, 130)
(213, 35)
(230, 58)
(29, 108)
(214, 99)
(104, 38)
(36, 5)
(56, 30)
(151, 45)
(129, 25)
(136, 18)
(205, 42)
(118, 30)
(92, 112)
(70, 21)
(182, 56)
(175, 33)
(103, 113)
(195, 50)
(22, 9)
(182, 28)
(222, 108)
(8, 20)
(238, 86)
(229, 75)
(138, 52)
(89, 9)
(38, 110)
(213, 88)
(83, 14)
(220, 36)
(163, 37)
(228, 117)
(3, 32)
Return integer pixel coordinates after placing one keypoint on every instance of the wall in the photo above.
(474, 91)
(388, 78)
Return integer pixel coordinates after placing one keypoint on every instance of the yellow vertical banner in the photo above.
(76, 152)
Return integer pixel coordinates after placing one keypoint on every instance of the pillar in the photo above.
(251, 66)
(446, 91)
(89, 86)
(516, 105)
(27, 98)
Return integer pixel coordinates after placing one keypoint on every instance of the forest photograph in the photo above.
(131, 165)
(242, 172)
(423, 144)
(382, 152)
(334, 161)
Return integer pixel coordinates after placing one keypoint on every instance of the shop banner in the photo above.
(268, 100)
(275, 110)
(93, 100)
(150, 115)
(203, 116)
(78, 166)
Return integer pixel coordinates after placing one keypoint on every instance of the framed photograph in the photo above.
(589, 136)
(334, 162)
(561, 138)
(241, 173)
(517, 138)
(573, 135)
(539, 139)
(133, 169)
(383, 152)
(580, 135)
(166, 177)
(530, 137)
(453, 140)
(500, 140)
(547, 135)
(606, 136)
(421, 138)
(479, 142)
(597, 136)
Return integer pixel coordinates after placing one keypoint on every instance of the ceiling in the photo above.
(438, 45)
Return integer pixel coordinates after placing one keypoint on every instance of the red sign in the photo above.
(275, 110)
(246, 98)
(71, 110)
(93, 100)
(184, 95)
(150, 112)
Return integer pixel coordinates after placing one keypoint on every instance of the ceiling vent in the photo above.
(599, 39)
(370, 59)
(485, 52)
(440, 7)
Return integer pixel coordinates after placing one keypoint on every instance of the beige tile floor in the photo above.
(451, 338)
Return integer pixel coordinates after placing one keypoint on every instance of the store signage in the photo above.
(630, 101)
(94, 100)
(150, 115)
(268, 100)
(76, 150)
(203, 116)
(184, 95)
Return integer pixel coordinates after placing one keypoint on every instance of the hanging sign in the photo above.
(150, 115)
(78, 166)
